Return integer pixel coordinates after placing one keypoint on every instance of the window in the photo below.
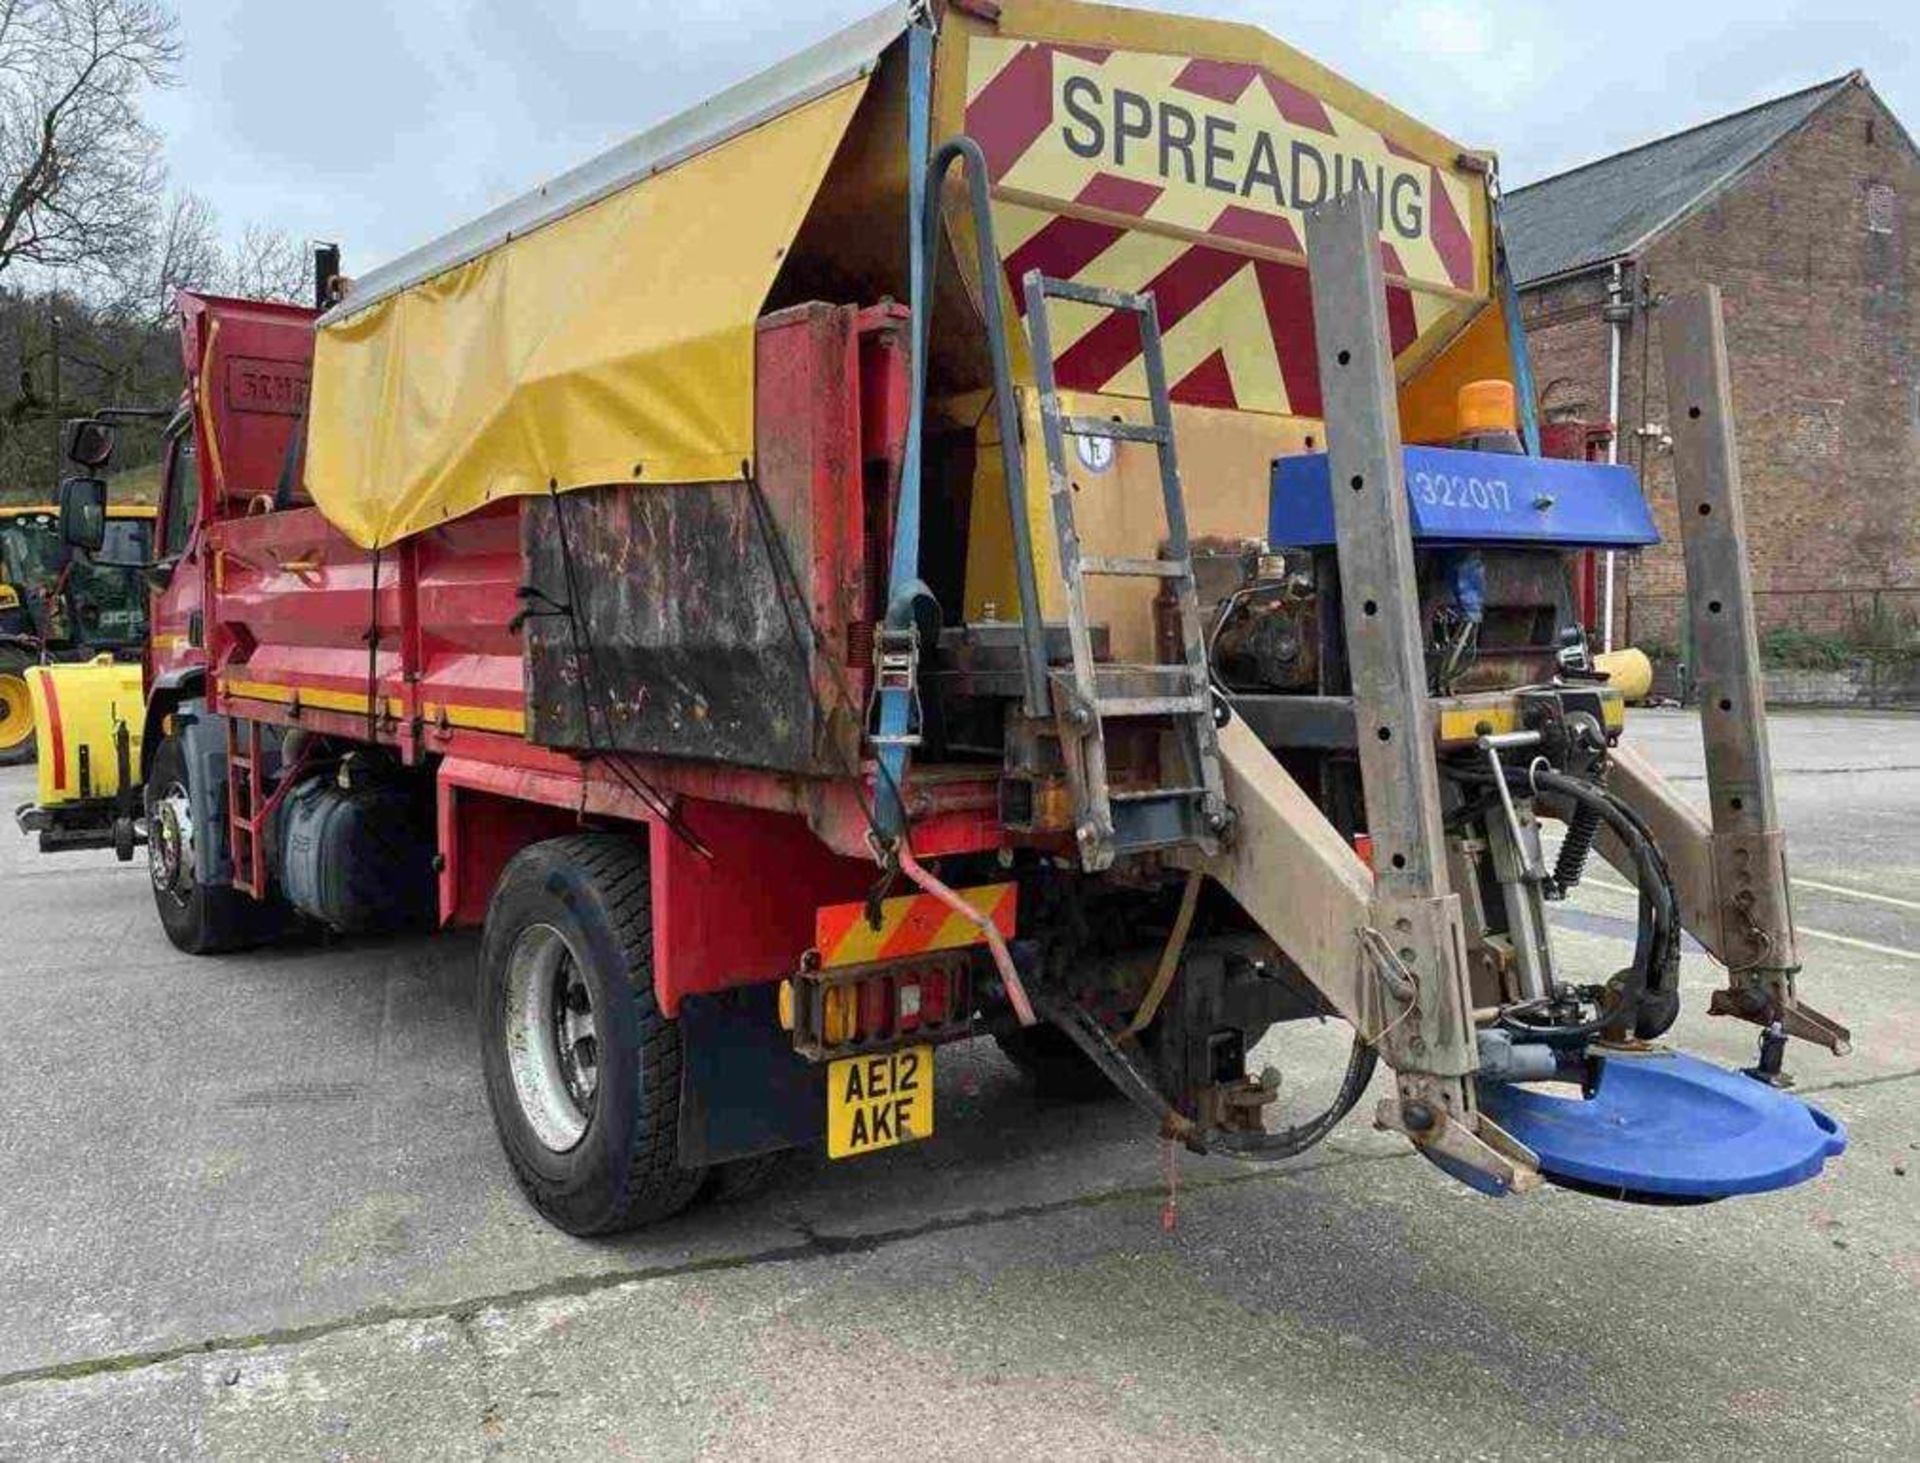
(183, 497)
(1880, 200)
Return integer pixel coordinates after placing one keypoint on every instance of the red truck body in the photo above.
(417, 647)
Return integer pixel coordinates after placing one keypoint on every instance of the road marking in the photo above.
(1866, 894)
(1828, 935)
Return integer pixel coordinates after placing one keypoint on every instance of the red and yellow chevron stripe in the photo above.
(909, 925)
(1190, 178)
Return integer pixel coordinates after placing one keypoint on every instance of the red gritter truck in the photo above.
(753, 577)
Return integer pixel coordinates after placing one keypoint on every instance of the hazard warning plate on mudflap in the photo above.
(877, 1101)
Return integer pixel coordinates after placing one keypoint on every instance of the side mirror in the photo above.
(90, 443)
(83, 513)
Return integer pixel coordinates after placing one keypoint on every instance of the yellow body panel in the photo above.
(1225, 467)
(612, 344)
(1068, 194)
(479, 718)
(94, 699)
(1250, 153)
(1481, 352)
(1460, 720)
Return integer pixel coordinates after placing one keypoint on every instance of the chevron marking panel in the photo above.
(1189, 178)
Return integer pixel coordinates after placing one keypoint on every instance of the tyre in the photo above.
(198, 918)
(1047, 1057)
(582, 1068)
(17, 740)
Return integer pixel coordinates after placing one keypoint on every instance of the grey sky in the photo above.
(382, 124)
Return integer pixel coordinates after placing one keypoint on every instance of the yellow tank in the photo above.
(81, 709)
(1630, 671)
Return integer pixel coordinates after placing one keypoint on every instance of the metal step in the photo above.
(1152, 793)
(1127, 706)
(1142, 568)
(1121, 431)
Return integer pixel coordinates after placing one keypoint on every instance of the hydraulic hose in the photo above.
(1086, 1032)
(1654, 1020)
(1656, 950)
(1291, 1142)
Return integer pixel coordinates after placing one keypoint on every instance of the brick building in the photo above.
(1805, 210)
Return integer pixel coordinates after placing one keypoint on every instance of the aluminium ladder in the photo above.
(1188, 806)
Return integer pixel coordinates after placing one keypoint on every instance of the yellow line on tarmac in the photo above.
(1828, 935)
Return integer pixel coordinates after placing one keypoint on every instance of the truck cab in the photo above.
(140, 576)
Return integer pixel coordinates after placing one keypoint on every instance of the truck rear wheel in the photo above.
(200, 919)
(582, 1067)
(16, 710)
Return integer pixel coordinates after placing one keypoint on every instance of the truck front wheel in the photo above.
(200, 919)
(582, 1067)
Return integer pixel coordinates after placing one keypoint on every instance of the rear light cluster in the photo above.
(862, 1007)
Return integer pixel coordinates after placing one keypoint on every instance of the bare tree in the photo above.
(80, 169)
(268, 264)
(186, 251)
(188, 254)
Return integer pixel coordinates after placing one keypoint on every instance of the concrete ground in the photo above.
(253, 1206)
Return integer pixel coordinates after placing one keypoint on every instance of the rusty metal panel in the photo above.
(678, 644)
(715, 620)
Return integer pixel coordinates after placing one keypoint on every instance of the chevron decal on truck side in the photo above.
(1189, 178)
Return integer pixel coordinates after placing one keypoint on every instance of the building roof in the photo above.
(1607, 209)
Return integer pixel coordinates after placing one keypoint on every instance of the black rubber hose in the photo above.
(1660, 1003)
(1291, 1142)
(1656, 940)
(1097, 1042)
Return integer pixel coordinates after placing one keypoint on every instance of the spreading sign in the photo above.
(1190, 178)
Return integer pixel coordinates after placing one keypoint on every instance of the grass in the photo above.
(1807, 650)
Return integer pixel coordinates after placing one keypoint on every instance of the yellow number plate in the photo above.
(875, 1102)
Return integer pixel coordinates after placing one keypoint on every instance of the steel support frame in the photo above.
(1415, 919)
(1732, 868)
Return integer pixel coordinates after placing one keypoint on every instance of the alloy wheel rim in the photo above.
(170, 844)
(552, 1037)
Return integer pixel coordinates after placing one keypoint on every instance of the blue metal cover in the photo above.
(1478, 498)
(1665, 1125)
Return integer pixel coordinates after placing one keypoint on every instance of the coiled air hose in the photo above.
(1571, 866)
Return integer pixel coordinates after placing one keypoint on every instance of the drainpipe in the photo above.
(1616, 315)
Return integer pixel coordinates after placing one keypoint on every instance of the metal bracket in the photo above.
(1413, 905)
(1483, 1146)
(1753, 911)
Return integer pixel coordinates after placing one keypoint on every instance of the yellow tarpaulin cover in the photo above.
(616, 339)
